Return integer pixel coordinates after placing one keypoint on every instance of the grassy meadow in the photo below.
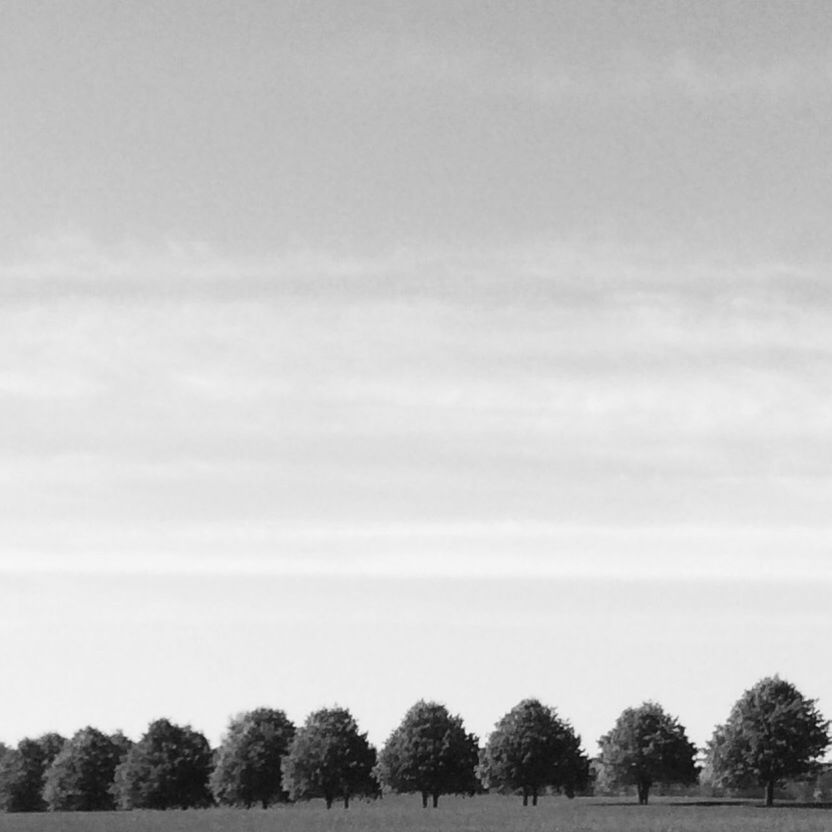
(480, 814)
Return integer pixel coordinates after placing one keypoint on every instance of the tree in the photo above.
(248, 761)
(167, 768)
(329, 758)
(431, 753)
(532, 748)
(645, 747)
(773, 733)
(81, 775)
(22, 772)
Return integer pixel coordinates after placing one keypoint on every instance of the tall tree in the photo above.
(430, 753)
(167, 768)
(329, 758)
(22, 773)
(647, 746)
(773, 733)
(531, 749)
(81, 775)
(247, 767)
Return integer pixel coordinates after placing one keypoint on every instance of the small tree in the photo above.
(430, 753)
(329, 758)
(248, 761)
(167, 768)
(22, 772)
(530, 749)
(645, 747)
(773, 733)
(81, 775)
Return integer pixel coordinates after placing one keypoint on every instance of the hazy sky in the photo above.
(361, 352)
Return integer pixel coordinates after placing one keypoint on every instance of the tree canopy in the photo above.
(329, 758)
(773, 733)
(81, 775)
(531, 749)
(431, 753)
(247, 767)
(647, 746)
(22, 772)
(774, 736)
(167, 768)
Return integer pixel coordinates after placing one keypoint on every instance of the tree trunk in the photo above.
(525, 797)
(424, 800)
(328, 799)
(435, 799)
(770, 793)
(346, 801)
(534, 797)
(643, 793)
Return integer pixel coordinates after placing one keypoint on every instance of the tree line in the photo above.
(773, 733)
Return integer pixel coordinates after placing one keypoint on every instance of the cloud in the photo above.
(431, 408)
(572, 272)
(625, 76)
(581, 342)
(486, 551)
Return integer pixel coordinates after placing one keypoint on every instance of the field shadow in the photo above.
(751, 804)
(717, 804)
(711, 803)
(704, 803)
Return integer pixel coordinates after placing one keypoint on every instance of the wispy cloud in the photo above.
(410, 413)
(625, 76)
(489, 551)
(572, 272)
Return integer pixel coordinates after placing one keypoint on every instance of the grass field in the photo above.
(480, 814)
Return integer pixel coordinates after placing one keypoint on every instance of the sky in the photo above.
(368, 352)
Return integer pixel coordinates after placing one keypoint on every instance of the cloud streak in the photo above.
(605, 274)
(586, 390)
(486, 552)
(623, 77)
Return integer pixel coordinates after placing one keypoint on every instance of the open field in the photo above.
(481, 814)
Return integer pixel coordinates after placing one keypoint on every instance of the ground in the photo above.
(480, 814)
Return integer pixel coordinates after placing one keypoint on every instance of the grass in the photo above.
(480, 814)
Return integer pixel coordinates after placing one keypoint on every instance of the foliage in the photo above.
(248, 761)
(773, 733)
(167, 768)
(530, 749)
(648, 746)
(22, 771)
(431, 753)
(80, 776)
(329, 758)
